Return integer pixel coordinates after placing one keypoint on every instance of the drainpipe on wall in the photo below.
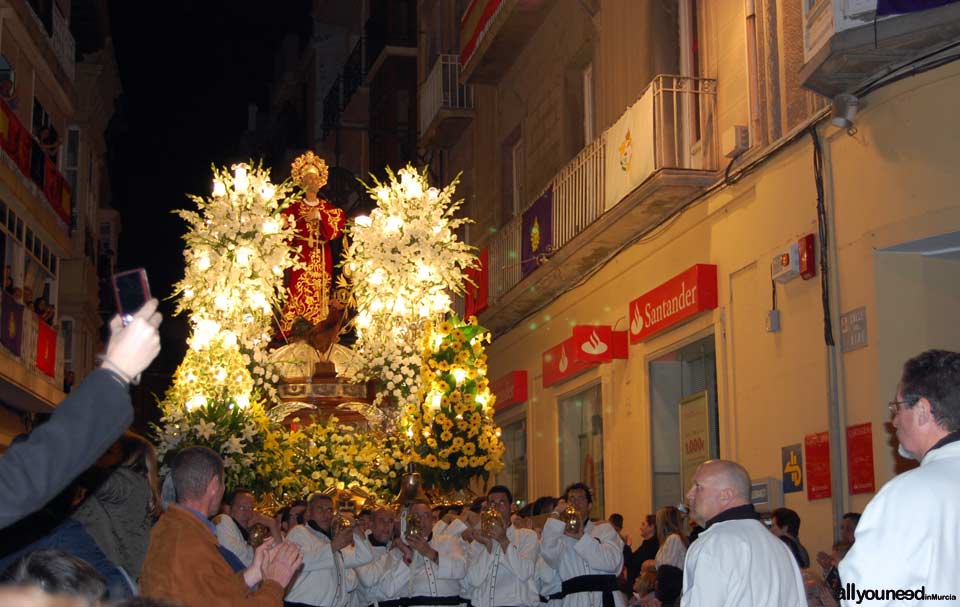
(836, 390)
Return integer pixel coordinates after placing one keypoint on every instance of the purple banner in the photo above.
(11, 323)
(895, 7)
(536, 236)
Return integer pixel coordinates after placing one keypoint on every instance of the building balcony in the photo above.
(33, 177)
(494, 32)
(845, 43)
(389, 37)
(23, 384)
(446, 105)
(57, 28)
(660, 155)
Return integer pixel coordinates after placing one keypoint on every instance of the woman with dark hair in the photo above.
(120, 512)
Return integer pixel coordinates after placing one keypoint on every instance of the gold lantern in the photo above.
(571, 518)
(490, 521)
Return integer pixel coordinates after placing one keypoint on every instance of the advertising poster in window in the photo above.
(694, 436)
(860, 458)
(816, 450)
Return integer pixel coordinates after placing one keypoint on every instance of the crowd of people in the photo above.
(125, 542)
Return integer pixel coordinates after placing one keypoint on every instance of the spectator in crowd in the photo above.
(88, 421)
(670, 556)
(184, 562)
(647, 550)
(907, 536)
(735, 561)
(829, 562)
(58, 573)
(785, 524)
(120, 512)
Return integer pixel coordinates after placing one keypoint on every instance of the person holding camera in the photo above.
(84, 425)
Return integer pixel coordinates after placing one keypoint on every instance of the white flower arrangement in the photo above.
(237, 249)
(403, 260)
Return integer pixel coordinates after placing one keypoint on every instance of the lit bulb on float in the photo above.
(383, 194)
(243, 256)
(363, 221)
(219, 190)
(482, 399)
(203, 263)
(459, 374)
(435, 399)
(376, 278)
(267, 191)
(195, 402)
(242, 400)
(221, 302)
(424, 272)
(220, 375)
(393, 224)
(270, 226)
(240, 180)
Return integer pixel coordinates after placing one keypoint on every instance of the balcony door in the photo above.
(691, 66)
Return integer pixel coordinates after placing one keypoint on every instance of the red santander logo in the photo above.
(677, 300)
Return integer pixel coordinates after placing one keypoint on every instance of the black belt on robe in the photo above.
(419, 601)
(607, 584)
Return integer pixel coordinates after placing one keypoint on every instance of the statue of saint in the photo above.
(317, 223)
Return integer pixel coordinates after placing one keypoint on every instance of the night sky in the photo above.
(188, 70)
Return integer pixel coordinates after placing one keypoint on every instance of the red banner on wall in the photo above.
(860, 458)
(475, 300)
(46, 348)
(677, 300)
(816, 450)
(510, 390)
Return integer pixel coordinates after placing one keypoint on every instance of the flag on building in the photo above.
(629, 155)
(536, 233)
(478, 285)
(46, 348)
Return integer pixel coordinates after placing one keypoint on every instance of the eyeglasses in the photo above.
(894, 406)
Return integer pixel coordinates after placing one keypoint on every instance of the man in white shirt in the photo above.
(503, 564)
(907, 549)
(735, 560)
(438, 564)
(384, 580)
(233, 528)
(588, 559)
(327, 577)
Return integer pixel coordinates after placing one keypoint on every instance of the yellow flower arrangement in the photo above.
(456, 408)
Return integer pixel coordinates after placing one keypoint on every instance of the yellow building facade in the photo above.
(746, 383)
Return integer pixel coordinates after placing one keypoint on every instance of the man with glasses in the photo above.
(233, 529)
(915, 515)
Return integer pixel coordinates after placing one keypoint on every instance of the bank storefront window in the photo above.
(514, 475)
(581, 443)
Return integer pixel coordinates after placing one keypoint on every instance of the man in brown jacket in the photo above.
(184, 563)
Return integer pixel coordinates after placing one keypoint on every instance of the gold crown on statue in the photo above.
(309, 162)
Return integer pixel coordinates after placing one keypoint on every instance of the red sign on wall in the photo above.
(510, 390)
(477, 287)
(561, 362)
(816, 450)
(860, 458)
(598, 343)
(675, 301)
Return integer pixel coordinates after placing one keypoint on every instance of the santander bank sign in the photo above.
(679, 299)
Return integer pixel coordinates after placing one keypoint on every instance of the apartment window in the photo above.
(72, 163)
(512, 171)
(588, 110)
(66, 331)
(581, 443)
